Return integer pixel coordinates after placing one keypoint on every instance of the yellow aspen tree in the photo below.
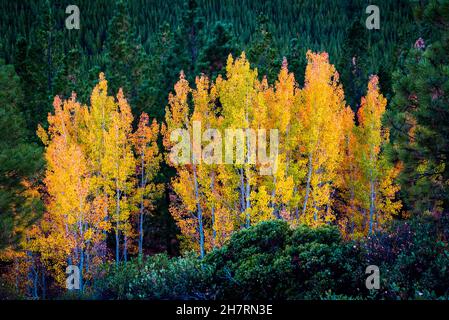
(148, 164)
(99, 176)
(348, 180)
(179, 125)
(226, 198)
(206, 187)
(118, 166)
(216, 217)
(378, 188)
(97, 121)
(238, 94)
(298, 160)
(281, 117)
(70, 228)
(321, 131)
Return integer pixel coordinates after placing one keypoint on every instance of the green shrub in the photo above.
(325, 235)
(417, 265)
(253, 264)
(157, 277)
(272, 261)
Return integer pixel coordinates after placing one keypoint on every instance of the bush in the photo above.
(7, 291)
(253, 265)
(413, 257)
(157, 277)
(272, 261)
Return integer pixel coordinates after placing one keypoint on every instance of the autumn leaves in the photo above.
(100, 177)
(99, 180)
(328, 169)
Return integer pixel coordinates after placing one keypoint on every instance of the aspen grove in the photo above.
(102, 165)
(224, 150)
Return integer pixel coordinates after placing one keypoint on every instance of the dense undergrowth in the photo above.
(274, 261)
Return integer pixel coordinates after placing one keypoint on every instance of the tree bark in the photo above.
(309, 178)
(199, 213)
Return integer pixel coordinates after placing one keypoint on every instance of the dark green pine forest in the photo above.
(142, 46)
(154, 40)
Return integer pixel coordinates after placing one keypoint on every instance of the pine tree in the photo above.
(214, 53)
(39, 62)
(261, 50)
(158, 84)
(296, 58)
(419, 114)
(353, 65)
(20, 161)
(126, 61)
(188, 38)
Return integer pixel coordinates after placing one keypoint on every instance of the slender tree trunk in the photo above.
(141, 232)
(117, 253)
(248, 204)
(44, 284)
(125, 249)
(352, 199)
(309, 178)
(199, 213)
(105, 235)
(352, 226)
(247, 175)
(81, 243)
(212, 186)
(81, 252)
(81, 267)
(69, 258)
(142, 185)
(117, 236)
(273, 195)
(242, 191)
(35, 281)
(87, 252)
(372, 207)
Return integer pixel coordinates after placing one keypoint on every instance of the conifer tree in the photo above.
(20, 162)
(213, 55)
(419, 113)
(261, 50)
(127, 64)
